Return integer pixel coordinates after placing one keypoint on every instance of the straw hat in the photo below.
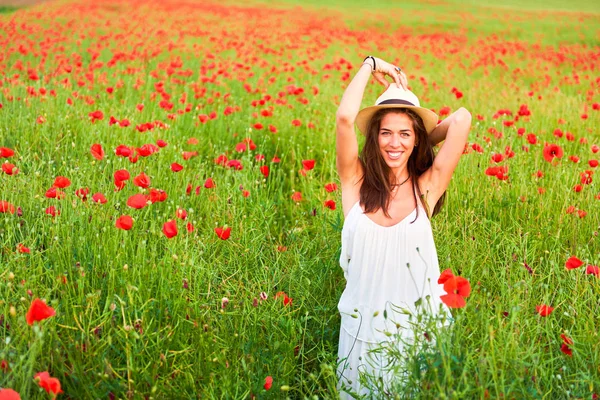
(396, 97)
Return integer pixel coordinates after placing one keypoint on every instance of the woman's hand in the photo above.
(384, 68)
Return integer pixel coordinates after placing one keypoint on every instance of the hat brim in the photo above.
(430, 119)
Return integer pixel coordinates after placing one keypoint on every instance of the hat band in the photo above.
(396, 101)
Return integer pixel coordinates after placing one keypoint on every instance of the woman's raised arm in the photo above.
(454, 131)
(346, 143)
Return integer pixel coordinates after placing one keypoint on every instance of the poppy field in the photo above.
(170, 212)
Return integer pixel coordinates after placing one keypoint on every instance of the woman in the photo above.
(388, 195)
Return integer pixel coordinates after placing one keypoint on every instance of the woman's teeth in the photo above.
(394, 156)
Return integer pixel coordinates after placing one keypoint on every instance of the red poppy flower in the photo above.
(157, 195)
(5, 152)
(575, 159)
(444, 276)
(209, 184)
(296, 122)
(544, 310)
(49, 384)
(268, 383)
(119, 185)
(264, 169)
(593, 163)
(38, 311)
(586, 177)
(245, 193)
(181, 213)
(531, 138)
(61, 182)
(147, 150)
(97, 151)
(458, 285)
(223, 233)
(189, 227)
(595, 148)
(235, 164)
(6, 207)
(176, 167)
(308, 164)
(297, 196)
(137, 201)
(161, 143)
(124, 222)
(142, 180)
(453, 300)
(477, 147)
(240, 147)
(552, 151)
(82, 193)
(330, 204)
(96, 116)
(566, 339)
(121, 175)
(577, 188)
(221, 160)
(123, 151)
(565, 346)
(331, 187)
(573, 262)
(570, 209)
(52, 211)
(22, 249)
(9, 394)
(566, 349)
(497, 158)
(170, 228)
(99, 198)
(10, 169)
(53, 193)
(286, 300)
(592, 270)
(189, 154)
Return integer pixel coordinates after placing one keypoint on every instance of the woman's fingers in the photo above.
(403, 80)
(379, 77)
(397, 78)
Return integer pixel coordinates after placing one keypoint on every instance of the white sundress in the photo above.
(374, 259)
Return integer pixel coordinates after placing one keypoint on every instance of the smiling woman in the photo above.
(390, 264)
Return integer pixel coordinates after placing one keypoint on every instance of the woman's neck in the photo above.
(400, 175)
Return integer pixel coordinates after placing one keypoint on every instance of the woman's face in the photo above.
(396, 139)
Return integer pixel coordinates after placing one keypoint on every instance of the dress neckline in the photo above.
(391, 226)
(382, 226)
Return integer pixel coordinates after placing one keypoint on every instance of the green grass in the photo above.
(140, 316)
(7, 9)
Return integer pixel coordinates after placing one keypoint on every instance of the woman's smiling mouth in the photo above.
(394, 155)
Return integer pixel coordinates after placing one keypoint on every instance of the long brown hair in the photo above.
(376, 188)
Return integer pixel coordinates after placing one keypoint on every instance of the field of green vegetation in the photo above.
(166, 189)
